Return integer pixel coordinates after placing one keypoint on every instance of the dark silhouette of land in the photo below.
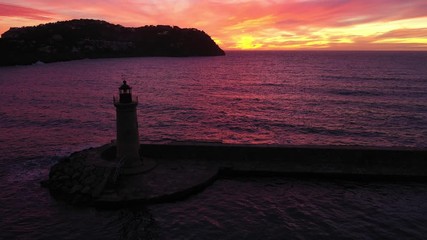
(86, 38)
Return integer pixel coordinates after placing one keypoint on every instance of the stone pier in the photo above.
(92, 176)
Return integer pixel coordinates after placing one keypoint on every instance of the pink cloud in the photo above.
(7, 10)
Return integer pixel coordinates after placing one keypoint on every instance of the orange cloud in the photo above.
(252, 24)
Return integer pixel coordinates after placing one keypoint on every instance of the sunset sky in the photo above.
(250, 24)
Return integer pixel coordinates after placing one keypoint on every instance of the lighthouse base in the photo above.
(146, 166)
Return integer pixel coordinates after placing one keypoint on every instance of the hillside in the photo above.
(78, 39)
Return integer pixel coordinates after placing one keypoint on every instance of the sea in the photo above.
(321, 98)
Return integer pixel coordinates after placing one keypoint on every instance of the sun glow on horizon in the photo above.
(251, 24)
(246, 42)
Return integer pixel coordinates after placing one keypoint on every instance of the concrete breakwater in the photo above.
(92, 176)
(305, 160)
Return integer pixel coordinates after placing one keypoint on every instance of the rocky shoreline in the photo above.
(76, 180)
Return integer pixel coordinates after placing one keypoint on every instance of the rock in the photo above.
(99, 188)
(79, 199)
(90, 168)
(62, 177)
(68, 170)
(76, 174)
(86, 190)
(45, 183)
(90, 180)
(76, 181)
(68, 184)
(76, 188)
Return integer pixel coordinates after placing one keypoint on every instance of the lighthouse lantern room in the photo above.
(125, 93)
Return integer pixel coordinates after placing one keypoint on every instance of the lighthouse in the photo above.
(127, 128)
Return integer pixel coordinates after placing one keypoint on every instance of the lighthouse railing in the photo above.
(116, 100)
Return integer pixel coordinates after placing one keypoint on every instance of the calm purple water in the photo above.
(314, 98)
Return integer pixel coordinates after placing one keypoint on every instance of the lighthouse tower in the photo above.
(127, 128)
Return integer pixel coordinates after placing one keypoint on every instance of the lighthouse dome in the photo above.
(125, 93)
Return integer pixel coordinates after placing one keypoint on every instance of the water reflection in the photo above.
(138, 223)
